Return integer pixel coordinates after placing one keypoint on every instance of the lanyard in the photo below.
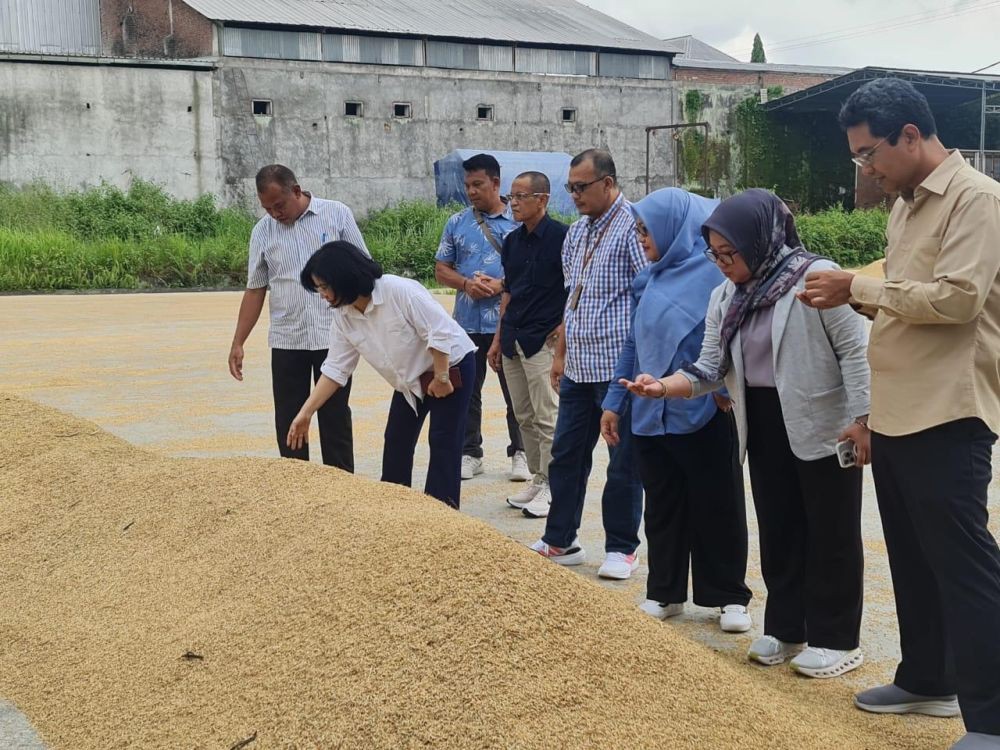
(591, 249)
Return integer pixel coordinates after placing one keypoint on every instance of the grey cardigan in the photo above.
(820, 368)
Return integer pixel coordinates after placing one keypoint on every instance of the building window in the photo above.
(402, 110)
(569, 114)
(484, 112)
(262, 107)
(354, 109)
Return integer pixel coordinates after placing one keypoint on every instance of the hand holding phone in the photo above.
(847, 454)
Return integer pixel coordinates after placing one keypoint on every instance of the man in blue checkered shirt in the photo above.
(601, 257)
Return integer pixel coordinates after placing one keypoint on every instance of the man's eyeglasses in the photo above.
(523, 196)
(725, 259)
(576, 188)
(865, 159)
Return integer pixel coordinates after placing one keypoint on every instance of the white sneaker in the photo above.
(520, 499)
(571, 555)
(653, 608)
(471, 466)
(826, 662)
(735, 619)
(539, 505)
(769, 651)
(618, 565)
(519, 468)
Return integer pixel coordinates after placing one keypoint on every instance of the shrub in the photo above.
(851, 238)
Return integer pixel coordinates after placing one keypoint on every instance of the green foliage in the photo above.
(757, 55)
(851, 238)
(105, 238)
(694, 103)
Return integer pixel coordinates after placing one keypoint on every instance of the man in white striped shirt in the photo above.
(296, 225)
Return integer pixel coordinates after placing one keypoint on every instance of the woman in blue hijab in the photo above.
(687, 450)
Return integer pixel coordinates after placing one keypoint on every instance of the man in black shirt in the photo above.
(531, 310)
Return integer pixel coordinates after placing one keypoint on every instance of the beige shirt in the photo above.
(935, 344)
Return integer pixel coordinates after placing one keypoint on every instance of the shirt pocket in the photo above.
(547, 272)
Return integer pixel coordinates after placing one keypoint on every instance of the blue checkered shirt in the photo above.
(596, 331)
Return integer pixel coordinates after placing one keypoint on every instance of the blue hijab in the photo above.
(672, 294)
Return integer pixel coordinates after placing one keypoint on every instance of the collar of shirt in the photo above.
(503, 213)
(540, 228)
(377, 299)
(937, 182)
(605, 218)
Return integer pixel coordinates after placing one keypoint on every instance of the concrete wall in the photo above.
(193, 131)
(75, 125)
(713, 77)
(377, 160)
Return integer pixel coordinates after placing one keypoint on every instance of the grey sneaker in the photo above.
(978, 741)
(889, 699)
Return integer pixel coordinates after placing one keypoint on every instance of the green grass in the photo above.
(106, 238)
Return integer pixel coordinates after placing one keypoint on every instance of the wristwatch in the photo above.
(442, 377)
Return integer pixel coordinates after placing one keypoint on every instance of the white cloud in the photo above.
(960, 35)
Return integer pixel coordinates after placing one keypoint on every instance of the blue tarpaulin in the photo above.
(449, 177)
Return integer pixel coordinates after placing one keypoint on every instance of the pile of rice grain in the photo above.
(151, 602)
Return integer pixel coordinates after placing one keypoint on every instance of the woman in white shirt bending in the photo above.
(403, 333)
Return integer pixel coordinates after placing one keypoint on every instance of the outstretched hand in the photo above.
(646, 386)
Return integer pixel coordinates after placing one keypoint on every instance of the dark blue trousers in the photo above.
(578, 428)
(446, 437)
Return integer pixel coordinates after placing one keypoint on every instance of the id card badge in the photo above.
(574, 300)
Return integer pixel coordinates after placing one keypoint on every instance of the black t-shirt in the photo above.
(533, 275)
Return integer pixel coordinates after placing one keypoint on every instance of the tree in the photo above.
(758, 56)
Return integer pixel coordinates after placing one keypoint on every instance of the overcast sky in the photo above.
(961, 35)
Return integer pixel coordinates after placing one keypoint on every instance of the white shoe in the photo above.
(826, 662)
(539, 505)
(471, 466)
(519, 468)
(520, 499)
(653, 608)
(769, 651)
(618, 565)
(571, 555)
(735, 619)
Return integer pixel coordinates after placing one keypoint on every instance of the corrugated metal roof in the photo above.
(695, 49)
(683, 62)
(551, 22)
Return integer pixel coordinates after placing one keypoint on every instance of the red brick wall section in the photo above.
(788, 81)
(141, 28)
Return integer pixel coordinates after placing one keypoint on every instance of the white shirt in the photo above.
(300, 319)
(393, 334)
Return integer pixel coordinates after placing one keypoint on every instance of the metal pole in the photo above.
(648, 131)
(982, 132)
(705, 150)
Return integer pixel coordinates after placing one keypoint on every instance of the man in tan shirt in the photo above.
(935, 359)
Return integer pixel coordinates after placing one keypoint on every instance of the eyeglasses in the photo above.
(576, 188)
(640, 229)
(523, 196)
(725, 259)
(865, 159)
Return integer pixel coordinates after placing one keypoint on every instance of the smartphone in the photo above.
(847, 454)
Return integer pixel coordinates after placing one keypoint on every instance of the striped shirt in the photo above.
(597, 329)
(299, 319)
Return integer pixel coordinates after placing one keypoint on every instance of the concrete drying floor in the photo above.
(152, 369)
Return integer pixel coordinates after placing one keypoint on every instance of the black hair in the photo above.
(604, 165)
(275, 174)
(345, 269)
(539, 182)
(887, 105)
(482, 162)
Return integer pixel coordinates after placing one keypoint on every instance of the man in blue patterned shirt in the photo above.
(468, 260)
(601, 257)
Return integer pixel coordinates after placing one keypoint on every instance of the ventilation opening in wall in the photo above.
(569, 114)
(401, 109)
(484, 112)
(354, 109)
(261, 107)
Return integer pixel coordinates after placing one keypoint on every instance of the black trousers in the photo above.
(932, 494)
(695, 511)
(293, 372)
(809, 516)
(473, 425)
